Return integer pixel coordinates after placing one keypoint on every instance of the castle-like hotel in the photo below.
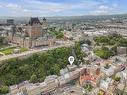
(33, 34)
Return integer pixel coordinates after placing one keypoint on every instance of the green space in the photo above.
(108, 40)
(10, 50)
(103, 52)
(5, 49)
(23, 49)
(108, 45)
(58, 34)
(36, 67)
(117, 78)
(88, 87)
(4, 89)
(111, 40)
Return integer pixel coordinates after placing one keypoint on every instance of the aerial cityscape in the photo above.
(54, 47)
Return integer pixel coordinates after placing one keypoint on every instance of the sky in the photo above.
(49, 8)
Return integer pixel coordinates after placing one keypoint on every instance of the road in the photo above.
(6, 57)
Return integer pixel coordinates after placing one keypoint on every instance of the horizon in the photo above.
(57, 8)
(63, 16)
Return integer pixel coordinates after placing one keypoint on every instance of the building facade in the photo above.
(32, 35)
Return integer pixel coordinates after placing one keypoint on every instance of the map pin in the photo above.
(71, 60)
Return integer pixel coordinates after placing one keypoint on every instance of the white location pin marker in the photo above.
(71, 60)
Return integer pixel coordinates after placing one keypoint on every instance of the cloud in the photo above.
(1, 6)
(13, 6)
(58, 7)
(103, 7)
(104, 10)
(48, 8)
(26, 10)
(42, 8)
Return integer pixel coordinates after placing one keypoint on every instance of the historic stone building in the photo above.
(33, 34)
(34, 28)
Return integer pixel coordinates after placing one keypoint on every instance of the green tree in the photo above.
(117, 78)
(33, 78)
(4, 89)
(59, 35)
(88, 42)
(36, 67)
(103, 52)
(56, 69)
(2, 40)
(101, 39)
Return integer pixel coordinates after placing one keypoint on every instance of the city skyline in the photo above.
(61, 8)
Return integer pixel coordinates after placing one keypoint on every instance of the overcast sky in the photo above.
(61, 7)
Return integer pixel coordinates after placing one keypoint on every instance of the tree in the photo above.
(103, 52)
(110, 39)
(78, 50)
(88, 42)
(114, 50)
(36, 67)
(123, 42)
(56, 69)
(2, 40)
(4, 89)
(59, 35)
(117, 78)
(101, 39)
(33, 78)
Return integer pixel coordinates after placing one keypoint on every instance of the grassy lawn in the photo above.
(23, 49)
(10, 50)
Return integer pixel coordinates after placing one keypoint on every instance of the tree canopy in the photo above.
(103, 52)
(108, 40)
(36, 67)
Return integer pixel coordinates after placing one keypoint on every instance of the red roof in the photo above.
(88, 78)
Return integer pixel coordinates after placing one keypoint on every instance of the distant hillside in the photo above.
(68, 18)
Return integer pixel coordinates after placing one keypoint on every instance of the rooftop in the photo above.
(34, 21)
